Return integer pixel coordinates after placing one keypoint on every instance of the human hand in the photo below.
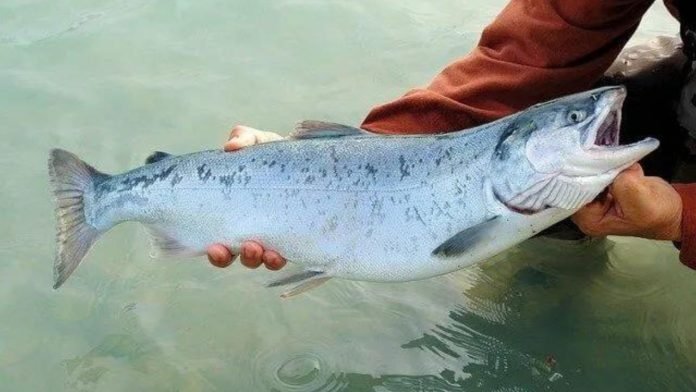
(252, 253)
(634, 205)
(242, 136)
(252, 256)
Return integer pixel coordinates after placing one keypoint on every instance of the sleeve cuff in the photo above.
(688, 225)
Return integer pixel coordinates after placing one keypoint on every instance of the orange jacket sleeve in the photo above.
(533, 51)
(688, 244)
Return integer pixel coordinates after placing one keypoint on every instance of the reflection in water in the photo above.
(558, 323)
(85, 372)
(554, 315)
(548, 315)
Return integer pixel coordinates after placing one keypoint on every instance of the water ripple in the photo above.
(297, 366)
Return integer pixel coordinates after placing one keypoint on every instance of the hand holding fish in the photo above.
(635, 205)
(253, 254)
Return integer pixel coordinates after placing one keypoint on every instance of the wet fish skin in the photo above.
(341, 202)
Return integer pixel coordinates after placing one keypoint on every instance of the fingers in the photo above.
(628, 188)
(253, 255)
(265, 137)
(273, 260)
(602, 217)
(632, 191)
(242, 136)
(628, 180)
(591, 219)
(219, 256)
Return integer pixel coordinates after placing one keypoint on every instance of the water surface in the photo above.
(113, 80)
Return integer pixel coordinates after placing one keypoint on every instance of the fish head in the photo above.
(564, 152)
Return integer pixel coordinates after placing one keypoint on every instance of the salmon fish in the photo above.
(342, 202)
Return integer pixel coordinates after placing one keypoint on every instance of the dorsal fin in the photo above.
(310, 129)
(157, 156)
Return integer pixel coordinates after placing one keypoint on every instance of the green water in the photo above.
(113, 80)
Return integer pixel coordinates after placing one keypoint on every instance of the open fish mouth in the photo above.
(607, 127)
(602, 140)
(607, 134)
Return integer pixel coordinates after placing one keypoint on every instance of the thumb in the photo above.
(630, 191)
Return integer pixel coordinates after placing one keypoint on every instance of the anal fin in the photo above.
(307, 279)
(306, 286)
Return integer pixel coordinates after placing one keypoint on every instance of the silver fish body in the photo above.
(344, 203)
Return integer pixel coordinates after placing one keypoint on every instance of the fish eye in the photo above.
(576, 116)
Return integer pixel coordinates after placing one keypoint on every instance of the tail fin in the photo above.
(71, 178)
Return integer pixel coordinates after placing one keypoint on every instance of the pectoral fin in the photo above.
(467, 238)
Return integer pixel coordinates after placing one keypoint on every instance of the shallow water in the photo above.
(113, 80)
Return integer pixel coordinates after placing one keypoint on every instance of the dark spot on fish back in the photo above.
(371, 171)
(129, 183)
(227, 180)
(204, 172)
(176, 179)
(403, 167)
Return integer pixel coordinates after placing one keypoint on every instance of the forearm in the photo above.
(688, 224)
(533, 51)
